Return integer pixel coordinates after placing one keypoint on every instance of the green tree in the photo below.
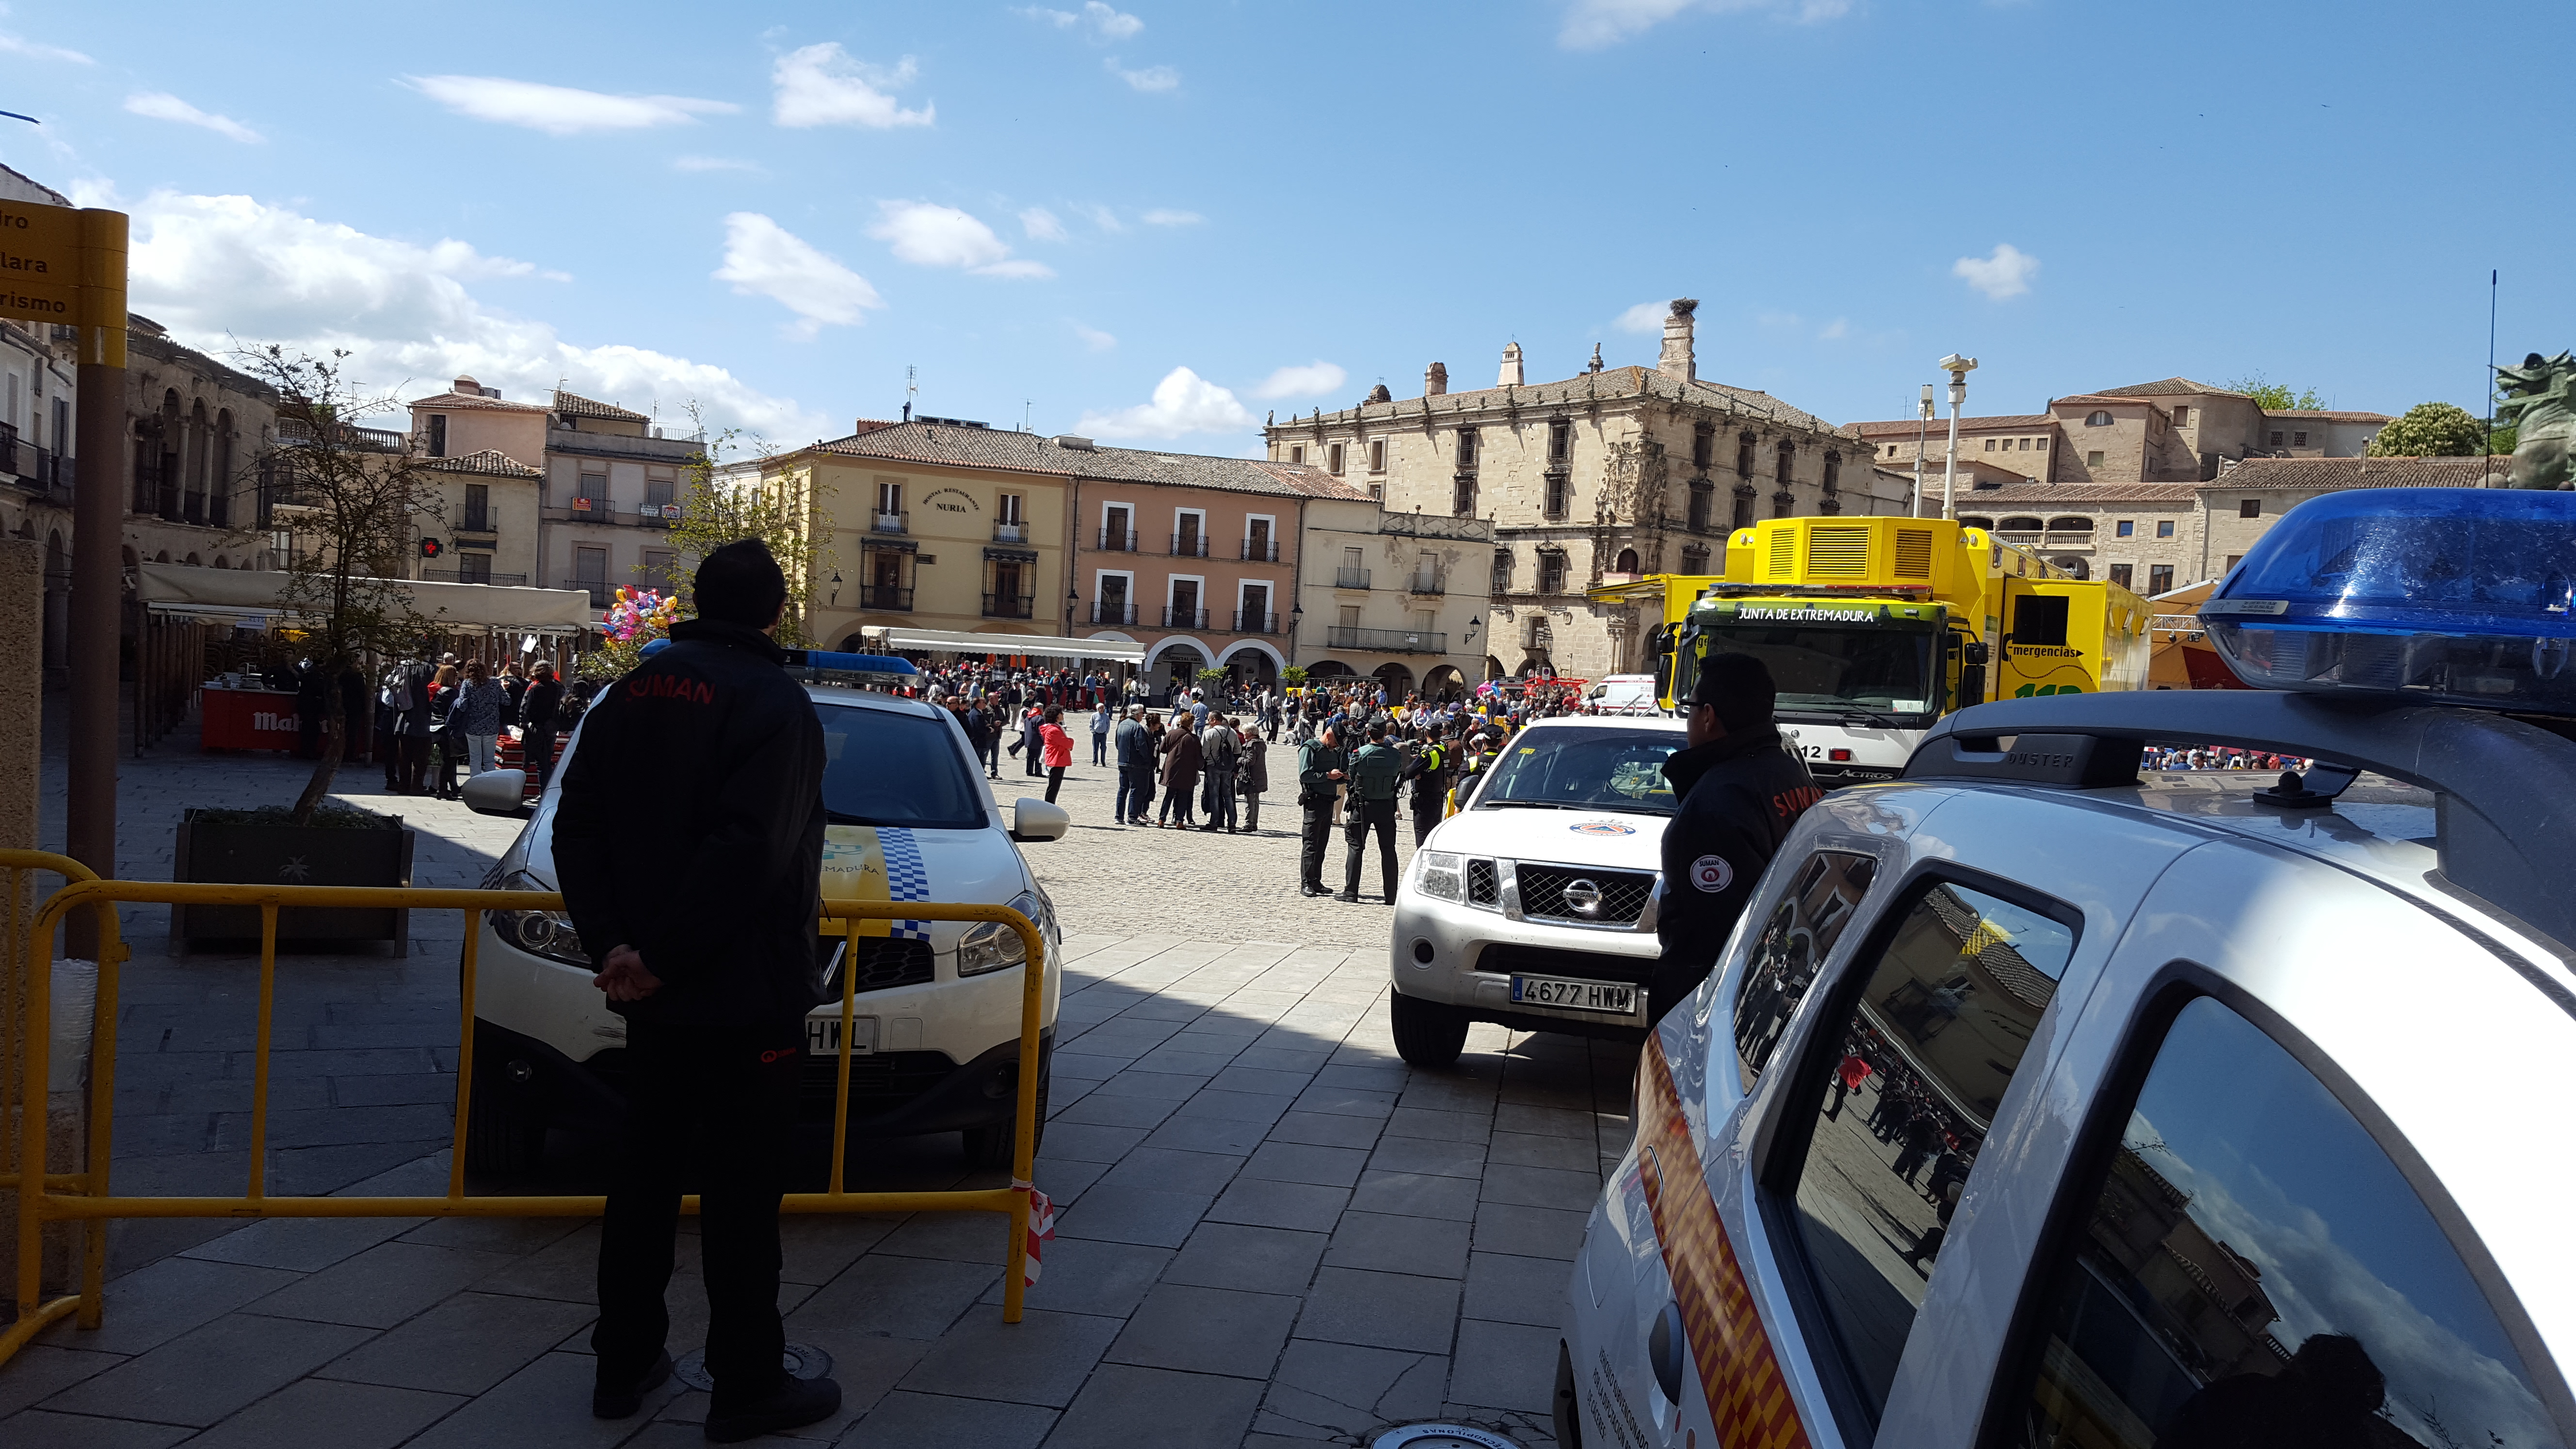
(351, 499)
(1293, 676)
(733, 493)
(2276, 397)
(2432, 430)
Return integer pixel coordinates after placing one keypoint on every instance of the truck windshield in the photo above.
(1822, 670)
(884, 768)
(1584, 769)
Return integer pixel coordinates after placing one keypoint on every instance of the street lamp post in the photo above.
(1922, 438)
(1958, 367)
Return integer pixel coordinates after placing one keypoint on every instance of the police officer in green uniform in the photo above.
(1377, 772)
(1320, 763)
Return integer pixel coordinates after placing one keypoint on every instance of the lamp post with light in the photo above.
(1958, 367)
(1922, 440)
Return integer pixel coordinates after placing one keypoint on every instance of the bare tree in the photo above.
(352, 498)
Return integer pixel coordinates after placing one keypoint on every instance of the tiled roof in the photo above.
(460, 401)
(2170, 387)
(491, 462)
(572, 405)
(1608, 385)
(2081, 495)
(2325, 474)
(958, 447)
(2127, 399)
(2328, 415)
(1941, 427)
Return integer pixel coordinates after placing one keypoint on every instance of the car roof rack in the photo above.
(2505, 790)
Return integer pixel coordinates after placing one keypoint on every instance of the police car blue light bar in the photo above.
(2452, 595)
(826, 661)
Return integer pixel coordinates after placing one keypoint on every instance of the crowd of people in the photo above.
(426, 721)
(2203, 757)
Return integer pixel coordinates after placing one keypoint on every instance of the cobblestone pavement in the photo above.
(1272, 1231)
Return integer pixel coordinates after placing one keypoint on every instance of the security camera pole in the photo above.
(1922, 434)
(1958, 367)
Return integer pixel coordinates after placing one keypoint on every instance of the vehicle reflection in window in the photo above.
(1919, 1066)
(1799, 935)
(884, 768)
(2255, 1271)
(1822, 670)
(1584, 769)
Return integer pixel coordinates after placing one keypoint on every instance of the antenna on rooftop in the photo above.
(1025, 405)
(911, 387)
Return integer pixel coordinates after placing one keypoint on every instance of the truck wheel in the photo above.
(503, 1138)
(991, 1146)
(1427, 1033)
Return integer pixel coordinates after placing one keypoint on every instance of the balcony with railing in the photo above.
(297, 433)
(1114, 540)
(598, 590)
(1386, 641)
(1260, 551)
(1010, 533)
(1189, 545)
(658, 513)
(1251, 622)
(1427, 582)
(897, 523)
(890, 597)
(477, 521)
(1010, 606)
(459, 576)
(1185, 618)
(1350, 578)
(1113, 613)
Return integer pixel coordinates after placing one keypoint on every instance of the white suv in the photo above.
(938, 1021)
(1534, 905)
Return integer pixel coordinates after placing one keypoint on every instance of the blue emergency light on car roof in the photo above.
(824, 661)
(2448, 595)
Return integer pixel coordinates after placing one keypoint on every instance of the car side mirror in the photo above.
(496, 792)
(1034, 820)
(1976, 652)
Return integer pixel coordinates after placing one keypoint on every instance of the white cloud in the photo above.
(821, 85)
(764, 259)
(1164, 217)
(1184, 402)
(716, 163)
(1311, 380)
(1592, 24)
(1041, 224)
(38, 50)
(927, 234)
(2005, 273)
(163, 106)
(1106, 20)
(1645, 317)
(1151, 78)
(230, 271)
(1836, 330)
(1092, 337)
(560, 110)
(1101, 217)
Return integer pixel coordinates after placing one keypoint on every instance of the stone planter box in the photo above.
(257, 853)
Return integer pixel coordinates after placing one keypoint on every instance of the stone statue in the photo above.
(2534, 397)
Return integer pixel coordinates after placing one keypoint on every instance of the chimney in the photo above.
(1511, 366)
(469, 387)
(1435, 380)
(1677, 362)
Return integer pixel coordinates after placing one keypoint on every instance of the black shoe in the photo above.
(1310, 891)
(792, 1405)
(621, 1401)
(1352, 896)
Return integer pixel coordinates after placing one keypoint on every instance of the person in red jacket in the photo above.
(1056, 749)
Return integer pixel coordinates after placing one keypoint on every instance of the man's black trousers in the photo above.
(1319, 836)
(1377, 815)
(712, 1113)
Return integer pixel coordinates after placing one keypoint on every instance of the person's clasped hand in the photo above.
(623, 976)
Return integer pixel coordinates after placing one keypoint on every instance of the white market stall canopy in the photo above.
(252, 595)
(1044, 646)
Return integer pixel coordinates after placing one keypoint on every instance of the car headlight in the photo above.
(539, 933)
(993, 945)
(1438, 874)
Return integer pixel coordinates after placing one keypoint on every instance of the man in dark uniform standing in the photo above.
(1377, 772)
(710, 958)
(1739, 792)
(1319, 778)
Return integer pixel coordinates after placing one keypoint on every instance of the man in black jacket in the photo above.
(1739, 793)
(689, 842)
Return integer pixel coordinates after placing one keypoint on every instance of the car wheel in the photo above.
(1427, 1033)
(991, 1146)
(502, 1137)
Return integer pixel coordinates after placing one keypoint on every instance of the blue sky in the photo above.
(1157, 223)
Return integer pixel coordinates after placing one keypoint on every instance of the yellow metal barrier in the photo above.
(44, 1198)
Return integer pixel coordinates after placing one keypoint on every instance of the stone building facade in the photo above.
(2171, 431)
(1610, 474)
(1396, 596)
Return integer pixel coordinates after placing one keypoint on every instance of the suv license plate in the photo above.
(1615, 997)
(823, 1035)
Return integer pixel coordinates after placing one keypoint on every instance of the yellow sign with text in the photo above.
(63, 264)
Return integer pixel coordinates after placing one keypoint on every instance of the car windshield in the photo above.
(885, 768)
(1826, 670)
(1584, 769)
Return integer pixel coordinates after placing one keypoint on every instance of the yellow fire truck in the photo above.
(1876, 627)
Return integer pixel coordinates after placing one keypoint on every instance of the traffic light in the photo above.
(431, 548)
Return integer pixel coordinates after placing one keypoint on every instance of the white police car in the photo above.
(2036, 1104)
(936, 1035)
(1534, 905)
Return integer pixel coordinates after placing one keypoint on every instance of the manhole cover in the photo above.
(805, 1361)
(1441, 1436)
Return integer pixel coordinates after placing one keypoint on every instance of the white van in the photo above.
(1624, 694)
